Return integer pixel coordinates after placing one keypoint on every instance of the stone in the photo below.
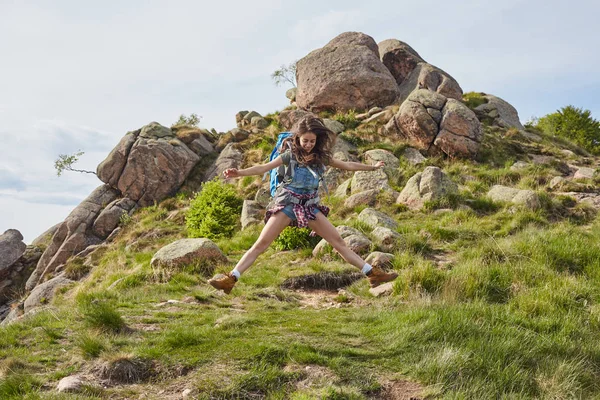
(343, 189)
(369, 180)
(556, 181)
(12, 248)
(376, 218)
(70, 384)
(252, 213)
(380, 117)
(426, 76)
(399, 58)
(288, 118)
(380, 259)
(44, 293)
(346, 74)
(259, 122)
(502, 113)
(385, 238)
(584, 173)
(367, 197)
(527, 198)
(519, 165)
(383, 290)
(334, 126)
(460, 131)
(110, 217)
(413, 156)
(431, 184)
(230, 157)
(188, 251)
(291, 94)
(391, 161)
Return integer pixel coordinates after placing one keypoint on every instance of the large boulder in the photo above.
(354, 239)
(500, 112)
(429, 121)
(11, 249)
(148, 165)
(376, 218)
(110, 217)
(431, 184)
(74, 234)
(399, 58)
(287, 118)
(230, 157)
(13, 278)
(345, 74)
(426, 76)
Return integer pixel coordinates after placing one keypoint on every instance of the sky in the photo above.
(77, 76)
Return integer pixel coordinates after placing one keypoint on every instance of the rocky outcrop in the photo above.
(498, 112)
(148, 165)
(44, 293)
(345, 74)
(428, 119)
(412, 72)
(11, 249)
(13, 277)
(431, 184)
(74, 234)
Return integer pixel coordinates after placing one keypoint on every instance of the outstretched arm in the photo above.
(256, 170)
(354, 166)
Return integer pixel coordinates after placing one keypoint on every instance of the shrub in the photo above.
(292, 238)
(214, 212)
(192, 120)
(474, 99)
(574, 124)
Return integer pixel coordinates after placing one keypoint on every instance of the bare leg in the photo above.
(327, 231)
(272, 229)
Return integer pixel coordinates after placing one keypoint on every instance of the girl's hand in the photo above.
(379, 164)
(231, 173)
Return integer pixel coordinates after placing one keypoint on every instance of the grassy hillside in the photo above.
(492, 301)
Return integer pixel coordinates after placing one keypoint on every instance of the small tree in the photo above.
(574, 124)
(65, 162)
(192, 120)
(285, 74)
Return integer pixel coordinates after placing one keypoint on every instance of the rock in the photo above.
(247, 120)
(74, 234)
(291, 94)
(263, 196)
(502, 113)
(369, 180)
(367, 197)
(353, 238)
(528, 198)
(399, 58)
(460, 131)
(519, 165)
(288, 118)
(239, 117)
(230, 157)
(44, 293)
(110, 217)
(13, 277)
(557, 180)
(383, 117)
(345, 74)
(239, 135)
(148, 165)
(252, 213)
(259, 122)
(343, 189)
(376, 218)
(70, 384)
(431, 184)
(45, 238)
(391, 161)
(426, 76)
(334, 126)
(584, 173)
(188, 251)
(382, 290)
(201, 146)
(538, 159)
(380, 259)
(385, 238)
(12, 248)
(413, 156)
(568, 153)
(591, 199)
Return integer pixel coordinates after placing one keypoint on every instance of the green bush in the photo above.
(474, 99)
(214, 212)
(292, 238)
(574, 124)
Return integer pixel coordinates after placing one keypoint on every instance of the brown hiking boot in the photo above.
(223, 282)
(377, 276)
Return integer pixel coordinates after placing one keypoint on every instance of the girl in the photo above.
(296, 201)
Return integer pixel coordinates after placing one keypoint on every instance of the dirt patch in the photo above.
(401, 390)
(326, 299)
(322, 281)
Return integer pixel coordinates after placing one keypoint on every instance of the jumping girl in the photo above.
(296, 200)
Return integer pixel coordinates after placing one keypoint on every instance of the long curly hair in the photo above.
(321, 153)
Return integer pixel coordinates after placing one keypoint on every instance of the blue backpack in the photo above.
(277, 174)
